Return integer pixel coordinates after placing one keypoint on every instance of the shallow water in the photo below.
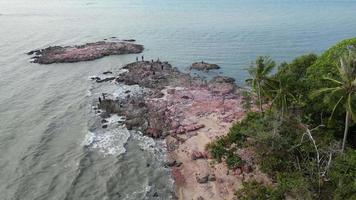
(44, 109)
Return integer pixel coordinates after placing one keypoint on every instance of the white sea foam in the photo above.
(110, 142)
(144, 142)
(114, 119)
(88, 139)
(135, 90)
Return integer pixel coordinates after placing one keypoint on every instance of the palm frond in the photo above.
(332, 80)
(335, 106)
(319, 92)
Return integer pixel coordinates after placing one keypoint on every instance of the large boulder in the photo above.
(203, 66)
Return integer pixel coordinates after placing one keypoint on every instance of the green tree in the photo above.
(282, 98)
(260, 79)
(344, 89)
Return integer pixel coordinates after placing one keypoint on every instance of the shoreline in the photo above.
(187, 112)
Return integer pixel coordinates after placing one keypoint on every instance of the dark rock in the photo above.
(129, 40)
(203, 66)
(105, 126)
(105, 79)
(104, 115)
(107, 72)
(222, 79)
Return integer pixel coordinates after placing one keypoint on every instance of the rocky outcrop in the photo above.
(86, 52)
(188, 112)
(203, 66)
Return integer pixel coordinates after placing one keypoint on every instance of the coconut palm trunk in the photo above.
(260, 97)
(345, 131)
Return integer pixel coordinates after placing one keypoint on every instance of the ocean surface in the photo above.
(49, 146)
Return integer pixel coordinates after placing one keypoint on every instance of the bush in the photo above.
(343, 176)
(233, 160)
(217, 149)
(295, 185)
(253, 190)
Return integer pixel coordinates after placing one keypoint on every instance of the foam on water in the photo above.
(156, 147)
(110, 142)
(122, 91)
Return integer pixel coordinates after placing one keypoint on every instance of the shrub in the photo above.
(295, 185)
(217, 149)
(343, 175)
(252, 190)
(233, 160)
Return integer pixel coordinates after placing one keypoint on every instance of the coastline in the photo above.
(187, 112)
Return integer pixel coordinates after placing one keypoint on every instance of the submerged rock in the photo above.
(86, 52)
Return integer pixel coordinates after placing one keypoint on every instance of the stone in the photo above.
(203, 179)
(107, 72)
(212, 177)
(199, 155)
(203, 66)
(105, 79)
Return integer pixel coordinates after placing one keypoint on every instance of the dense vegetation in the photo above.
(302, 133)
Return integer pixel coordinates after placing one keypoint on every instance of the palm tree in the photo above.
(344, 90)
(282, 98)
(260, 80)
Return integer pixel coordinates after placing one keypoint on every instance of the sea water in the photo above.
(49, 146)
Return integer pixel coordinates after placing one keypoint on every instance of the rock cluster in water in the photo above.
(86, 52)
(203, 66)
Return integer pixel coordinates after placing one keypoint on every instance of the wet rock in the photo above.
(95, 78)
(203, 66)
(110, 105)
(107, 72)
(104, 115)
(135, 122)
(222, 79)
(86, 52)
(105, 79)
(129, 40)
